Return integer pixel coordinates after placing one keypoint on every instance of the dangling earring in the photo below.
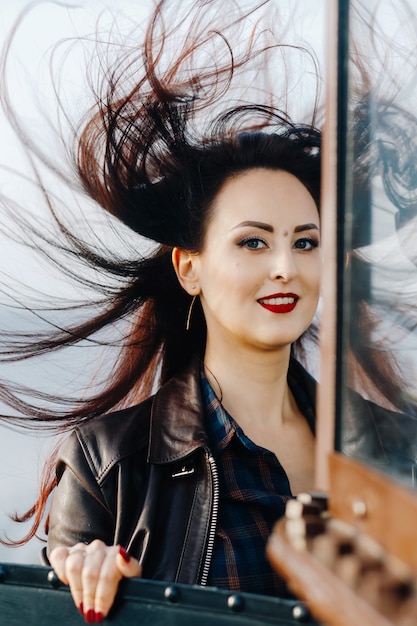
(190, 310)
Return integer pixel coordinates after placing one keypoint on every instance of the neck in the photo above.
(250, 385)
(254, 390)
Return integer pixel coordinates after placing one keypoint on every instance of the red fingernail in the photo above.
(99, 618)
(90, 616)
(81, 609)
(125, 555)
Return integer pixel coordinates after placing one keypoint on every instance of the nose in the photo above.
(283, 266)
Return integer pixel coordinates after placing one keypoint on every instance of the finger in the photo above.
(107, 585)
(74, 565)
(90, 575)
(57, 559)
(128, 566)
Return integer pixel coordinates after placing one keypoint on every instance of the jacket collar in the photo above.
(178, 412)
(177, 418)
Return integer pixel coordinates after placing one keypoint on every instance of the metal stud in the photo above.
(53, 579)
(300, 613)
(235, 602)
(172, 594)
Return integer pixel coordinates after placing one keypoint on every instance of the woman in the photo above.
(186, 484)
(214, 456)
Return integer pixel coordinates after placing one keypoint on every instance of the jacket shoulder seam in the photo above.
(101, 466)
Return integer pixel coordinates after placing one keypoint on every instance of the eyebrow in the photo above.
(302, 227)
(270, 229)
(261, 225)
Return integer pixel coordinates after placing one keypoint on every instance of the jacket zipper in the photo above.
(213, 522)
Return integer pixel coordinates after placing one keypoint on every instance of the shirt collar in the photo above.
(221, 427)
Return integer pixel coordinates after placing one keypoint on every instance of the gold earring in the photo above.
(190, 310)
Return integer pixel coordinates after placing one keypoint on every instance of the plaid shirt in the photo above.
(253, 491)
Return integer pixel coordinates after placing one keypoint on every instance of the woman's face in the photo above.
(259, 270)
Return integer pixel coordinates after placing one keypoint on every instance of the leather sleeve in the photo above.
(79, 511)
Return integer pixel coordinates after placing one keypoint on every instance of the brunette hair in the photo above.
(145, 156)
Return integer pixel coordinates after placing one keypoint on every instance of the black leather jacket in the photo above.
(144, 477)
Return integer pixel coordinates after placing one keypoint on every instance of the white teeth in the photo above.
(278, 301)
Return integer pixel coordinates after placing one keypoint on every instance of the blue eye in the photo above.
(253, 243)
(306, 243)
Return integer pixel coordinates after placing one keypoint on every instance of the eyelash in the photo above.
(244, 242)
(314, 243)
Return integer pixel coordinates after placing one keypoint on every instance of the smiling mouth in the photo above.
(279, 304)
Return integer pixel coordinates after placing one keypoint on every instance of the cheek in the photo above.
(229, 284)
(312, 275)
(249, 279)
(316, 269)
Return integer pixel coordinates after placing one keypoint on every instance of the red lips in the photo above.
(279, 302)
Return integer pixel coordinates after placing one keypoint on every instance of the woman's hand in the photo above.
(93, 573)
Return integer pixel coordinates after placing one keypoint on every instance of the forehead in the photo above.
(275, 195)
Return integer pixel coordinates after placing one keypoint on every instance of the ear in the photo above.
(184, 263)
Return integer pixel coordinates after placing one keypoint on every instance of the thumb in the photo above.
(128, 566)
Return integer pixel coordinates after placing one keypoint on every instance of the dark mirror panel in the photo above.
(379, 296)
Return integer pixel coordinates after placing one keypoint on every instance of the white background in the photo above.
(21, 454)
